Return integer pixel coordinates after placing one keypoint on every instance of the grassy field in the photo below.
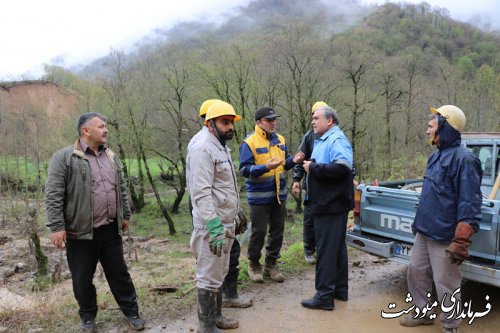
(155, 166)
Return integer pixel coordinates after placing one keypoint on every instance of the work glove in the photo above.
(241, 222)
(458, 250)
(218, 237)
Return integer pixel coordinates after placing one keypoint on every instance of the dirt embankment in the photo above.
(36, 111)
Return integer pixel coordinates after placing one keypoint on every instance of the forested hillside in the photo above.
(381, 68)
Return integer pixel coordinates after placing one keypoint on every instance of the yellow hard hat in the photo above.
(221, 108)
(205, 105)
(454, 116)
(317, 105)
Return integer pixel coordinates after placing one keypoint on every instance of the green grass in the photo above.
(153, 163)
(19, 177)
(16, 167)
(152, 222)
(15, 170)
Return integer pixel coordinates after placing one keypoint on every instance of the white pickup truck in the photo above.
(384, 213)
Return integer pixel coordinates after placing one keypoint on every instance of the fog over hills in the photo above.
(258, 17)
(50, 34)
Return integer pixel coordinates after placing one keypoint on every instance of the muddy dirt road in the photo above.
(374, 283)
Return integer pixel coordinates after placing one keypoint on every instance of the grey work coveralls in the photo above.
(211, 182)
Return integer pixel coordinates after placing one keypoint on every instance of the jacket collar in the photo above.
(78, 150)
(325, 135)
(215, 140)
(273, 139)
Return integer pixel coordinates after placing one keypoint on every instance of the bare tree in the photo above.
(136, 107)
(175, 81)
(414, 67)
(28, 130)
(303, 67)
(229, 72)
(118, 97)
(354, 64)
(304, 74)
(392, 95)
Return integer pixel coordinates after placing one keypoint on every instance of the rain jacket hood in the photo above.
(451, 191)
(448, 136)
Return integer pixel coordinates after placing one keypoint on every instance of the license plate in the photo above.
(404, 250)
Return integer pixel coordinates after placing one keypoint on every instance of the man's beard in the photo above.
(224, 136)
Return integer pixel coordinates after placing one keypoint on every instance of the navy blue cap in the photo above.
(265, 112)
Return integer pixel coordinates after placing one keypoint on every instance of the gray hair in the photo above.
(329, 113)
(84, 118)
(433, 116)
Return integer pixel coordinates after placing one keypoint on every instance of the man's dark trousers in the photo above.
(83, 255)
(264, 217)
(331, 264)
(230, 285)
(308, 233)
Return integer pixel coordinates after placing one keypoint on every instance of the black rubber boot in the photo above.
(229, 289)
(207, 311)
(220, 320)
(230, 297)
(230, 285)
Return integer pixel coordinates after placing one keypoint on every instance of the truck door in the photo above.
(485, 242)
(388, 212)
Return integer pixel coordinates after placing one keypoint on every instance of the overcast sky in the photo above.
(70, 32)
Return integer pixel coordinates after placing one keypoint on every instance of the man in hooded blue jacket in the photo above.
(448, 215)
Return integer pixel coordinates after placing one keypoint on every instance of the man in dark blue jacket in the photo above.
(448, 215)
(306, 146)
(331, 197)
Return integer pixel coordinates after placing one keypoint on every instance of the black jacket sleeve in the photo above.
(330, 188)
(331, 170)
(306, 146)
